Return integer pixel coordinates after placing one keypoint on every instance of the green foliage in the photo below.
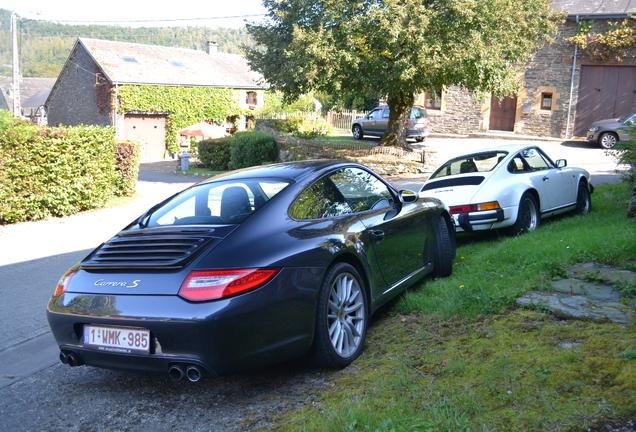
(186, 105)
(45, 46)
(214, 154)
(302, 126)
(396, 48)
(48, 172)
(127, 155)
(252, 148)
(615, 43)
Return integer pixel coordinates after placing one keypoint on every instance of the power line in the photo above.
(149, 21)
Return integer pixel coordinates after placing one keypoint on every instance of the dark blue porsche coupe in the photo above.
(250, 268)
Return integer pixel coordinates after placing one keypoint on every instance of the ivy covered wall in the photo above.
(185, 105)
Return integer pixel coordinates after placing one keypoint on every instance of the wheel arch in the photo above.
(356, 263)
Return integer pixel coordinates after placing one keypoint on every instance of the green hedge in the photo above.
(127, 154)
(214, 154)
(252, 148)
(47, 172)
(242, 150)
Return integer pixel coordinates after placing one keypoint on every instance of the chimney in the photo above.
(212, 47)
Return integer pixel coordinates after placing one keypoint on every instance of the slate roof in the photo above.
(596, 8)
(158, 65)
(28, 88)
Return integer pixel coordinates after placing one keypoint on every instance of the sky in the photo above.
(138, 13)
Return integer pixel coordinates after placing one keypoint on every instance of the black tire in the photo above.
(583, 200)
(420, 139)
(357, 132)
(341, 319)
(608, 140)
(444, 252)
(528, 216)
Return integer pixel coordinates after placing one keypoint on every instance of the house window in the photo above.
(177, 63)
(546, 101)
(251, 98)
(129, 59)
(433, 100)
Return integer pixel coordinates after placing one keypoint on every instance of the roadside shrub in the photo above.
(252, 148)
(214, 154)
(48, 172)
(302, 126)
(126, 168)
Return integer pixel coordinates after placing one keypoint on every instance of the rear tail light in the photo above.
(64, 282)
(204, 285)
(492, 205)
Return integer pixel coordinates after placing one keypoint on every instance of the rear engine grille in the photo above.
(151, 248)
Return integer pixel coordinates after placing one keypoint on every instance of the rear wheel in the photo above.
(444, 252)
(341, 321)
(583, 200)
(608, 140)
(357, 132)
(528, 217)
(420, 139)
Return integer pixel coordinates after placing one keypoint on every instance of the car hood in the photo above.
(455, 190)
(607, 123)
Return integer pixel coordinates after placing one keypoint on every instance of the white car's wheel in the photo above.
(528, 216)
(583, 200)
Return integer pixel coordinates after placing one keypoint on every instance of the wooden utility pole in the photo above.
(16, 64)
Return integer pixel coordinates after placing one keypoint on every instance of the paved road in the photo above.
(34, 255)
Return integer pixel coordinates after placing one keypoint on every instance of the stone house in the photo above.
(563, 88)
(96, 71)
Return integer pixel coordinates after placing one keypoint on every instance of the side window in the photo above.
(321, 200)
(374, 114)
(535, 160)
(362, 190)
(385, 113)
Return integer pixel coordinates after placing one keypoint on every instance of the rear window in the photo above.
(470, 164)
(418, 113)
(229, 202)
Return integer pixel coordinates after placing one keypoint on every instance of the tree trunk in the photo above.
(400, 106)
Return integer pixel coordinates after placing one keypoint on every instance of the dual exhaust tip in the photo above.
(192, 372)
(177, 371)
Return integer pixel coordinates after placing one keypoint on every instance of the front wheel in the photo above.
(341, 320)
(357, 132)
(528, 217)
(608, 140)
(420, 139)
(583, 200)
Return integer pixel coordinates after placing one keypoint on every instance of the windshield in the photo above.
(482, 162)
(228, 202)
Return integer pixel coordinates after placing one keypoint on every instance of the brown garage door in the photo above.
(604, 92)
(150, 131)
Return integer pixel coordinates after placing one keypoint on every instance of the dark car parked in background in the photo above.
(608, 132)
(418, 126)
(250, 268)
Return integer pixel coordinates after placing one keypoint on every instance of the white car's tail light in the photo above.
(491, 205)
(204, 285)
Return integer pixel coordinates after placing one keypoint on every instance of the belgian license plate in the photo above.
(117, 339)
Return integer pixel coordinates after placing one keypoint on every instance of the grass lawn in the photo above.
(456, 355)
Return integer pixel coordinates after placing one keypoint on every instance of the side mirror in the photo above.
(561, 163)
(408, 196)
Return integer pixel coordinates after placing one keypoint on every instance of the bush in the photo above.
(302, 126)
(126, 167)
(252, 148)
(48, 172)
(214, 154)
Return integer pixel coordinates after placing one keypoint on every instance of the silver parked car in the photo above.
(608, 132)
(418, 126)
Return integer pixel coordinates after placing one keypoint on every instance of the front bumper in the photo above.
(271, 324)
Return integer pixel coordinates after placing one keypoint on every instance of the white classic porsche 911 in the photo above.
(510, 187)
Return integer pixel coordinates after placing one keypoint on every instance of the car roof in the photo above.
(510, 148)
(294, 171)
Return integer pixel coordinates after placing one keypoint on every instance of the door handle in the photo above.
(545, 178)
(377, 236)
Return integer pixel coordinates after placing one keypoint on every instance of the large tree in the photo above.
(396, 48)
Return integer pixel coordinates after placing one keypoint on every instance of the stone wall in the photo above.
(460, 113)
(80, 95)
